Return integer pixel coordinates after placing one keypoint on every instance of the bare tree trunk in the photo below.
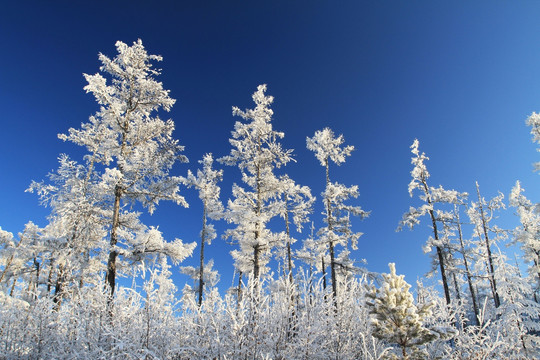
(467, 271)
(404, 352)
(439, 249)
(201, 264)
(287, 231)
(291, 321)
(81, 277)
(113, 254)
(323, 272)
(49, 277)
(333, 272)
(12, 291)
(443, 274)
(239, 289)
(256, 266)
(456, 287)
(330, 224)
(440, 256)
(257, 247)
(488, 249)
(57, 297)
(38, 268)
(536, 262)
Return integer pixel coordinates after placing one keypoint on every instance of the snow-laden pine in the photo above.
(396, 318)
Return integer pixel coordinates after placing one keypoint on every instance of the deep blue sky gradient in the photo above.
(462, 77)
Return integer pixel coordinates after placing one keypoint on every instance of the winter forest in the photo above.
(96, 281)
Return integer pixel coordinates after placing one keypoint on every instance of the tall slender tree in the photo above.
(257, 153)
(134, 146)
(296, 205)
(328, 148)
(430, 196)
(465, 253)
(481, 214)
(206, 183)
(528, 234)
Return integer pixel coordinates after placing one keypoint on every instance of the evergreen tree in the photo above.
(395, 317)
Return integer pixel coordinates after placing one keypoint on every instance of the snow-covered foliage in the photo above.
(430, 197)
(206, 183)
(296, 202)
(329, 147)
(56, 303)
(135, 149)
(395, 317)
(534, 122)
(528, 234)
(257, 153)
(126, 133)
(338, 229)
(75, 235)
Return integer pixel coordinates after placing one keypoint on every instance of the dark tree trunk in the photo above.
(256, 266)
(113, 254)
(330, 224)
(440, 254)
(467, 271)
(323, 272)
(59, 288)
(201, 264)
(496, 298)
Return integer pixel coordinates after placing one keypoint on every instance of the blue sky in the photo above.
(462, 77)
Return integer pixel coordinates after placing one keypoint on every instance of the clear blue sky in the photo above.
(462, 77)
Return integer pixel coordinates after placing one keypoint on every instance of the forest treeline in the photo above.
(60, 297)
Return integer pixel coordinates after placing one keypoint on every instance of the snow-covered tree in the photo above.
(528, 234)
(206, 183)
(7, 253)
(77, 222)
(296, 203)
(133, 144)
(534, 122)
(462, 247)
(257, 153)
(314, 253)
(328, 147)
(19, 259)
(481, 213)
(518, 315)
(395, 317)
(430, 196)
